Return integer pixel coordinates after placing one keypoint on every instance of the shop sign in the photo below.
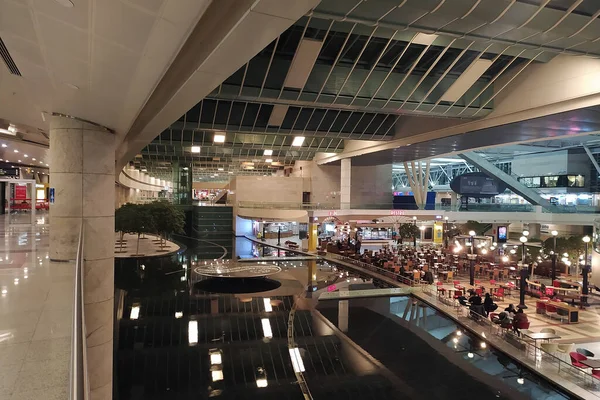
(332, 213)
(12, 172)
(397, 212)
(21, 192)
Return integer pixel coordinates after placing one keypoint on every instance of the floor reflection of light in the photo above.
(267, 303)
(266, 326)
(297, 362)
(178, 314)
(520, 381)
(135, 312)
(262, 383)
(217, 375)
(193, 332)
(215, 357)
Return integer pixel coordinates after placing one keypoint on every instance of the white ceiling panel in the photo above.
(54, 35)
(110, 59)
(123, 24)
(78, 16)
(184, 12)
(21, 48)
(303, 63)
(15, 19)
(150, 5)
(466, 80)
(284, 9)
(68, 71)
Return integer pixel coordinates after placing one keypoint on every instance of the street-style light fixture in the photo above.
(585, 272)
(446, 238)
(472, 258)
(414, 234)
(554, 255)
(524, 273)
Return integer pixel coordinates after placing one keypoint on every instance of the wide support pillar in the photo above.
(345, 182)
(313, 237)
(82, 164)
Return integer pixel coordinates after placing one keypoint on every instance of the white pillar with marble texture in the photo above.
(82, 164)
(345, 179)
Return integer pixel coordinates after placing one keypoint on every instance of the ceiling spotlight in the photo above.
(25, 155)
(33, 159)
(4, 145)
(41, 162)
(268, 153)
(298, 140)
(269, 160)
(16, 151)
(19, 161)
(195, 149)
(12, 129)
(220, 169)
(47, 165)
(219, 138)
(230, 172)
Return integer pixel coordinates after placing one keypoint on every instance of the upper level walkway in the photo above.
(487, 213)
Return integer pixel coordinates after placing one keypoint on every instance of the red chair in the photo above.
(440, 288)
(457, 294)
(522, 325)
(492, 315)
(499, 293)
(596, 373)
(492, 282)
(576, 359)
(477, 282)
(479, 291)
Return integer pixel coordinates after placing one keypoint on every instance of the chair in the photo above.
(548, 330)
(417, 276)
(450, 275)
(550, 348)
(576, 359)
(499, 293)
(457, 294)
(584, 352)
(492, 282)
(440, 288)
(565, 348)
(456, 283)
(479, 291)
(477, 282)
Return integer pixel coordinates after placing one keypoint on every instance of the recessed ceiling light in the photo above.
(16, 151)
(298, 140)
(47, 165)
(65, 3)
(195, 149)
(220, 169)
(19, 161)
(33, 159)
(268, 160)
(268, 152)
(219, 138)
(4, 145)
(230, 172)
(41, 162)
(25, 155)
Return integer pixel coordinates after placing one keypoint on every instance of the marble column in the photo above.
(82, 164)
(345, 181)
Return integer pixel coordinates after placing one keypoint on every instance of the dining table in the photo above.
(592, 363)
(535, 336)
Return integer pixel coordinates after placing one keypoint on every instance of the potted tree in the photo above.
(124, 223)
(167, 219)
(143, 223)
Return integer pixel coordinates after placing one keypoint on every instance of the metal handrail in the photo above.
(79, 384)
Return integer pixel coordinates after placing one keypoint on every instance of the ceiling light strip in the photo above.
(496, 93)
(296, 52)
(452, 66)
(367, 42)
(391, 70)
(490, 83)
(412, 67)
(496, 58)
(381, 54)
(337, 58)
(426, 74)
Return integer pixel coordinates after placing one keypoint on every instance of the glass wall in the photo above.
(554, 181)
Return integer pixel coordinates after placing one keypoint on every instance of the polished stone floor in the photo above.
(35, 314)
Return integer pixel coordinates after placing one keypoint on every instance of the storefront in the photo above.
(375, 233)
(274, 230)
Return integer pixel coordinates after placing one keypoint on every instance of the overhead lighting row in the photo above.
(4, 145)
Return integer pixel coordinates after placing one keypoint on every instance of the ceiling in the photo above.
(371, 67)
(347, 70)
(98, 60)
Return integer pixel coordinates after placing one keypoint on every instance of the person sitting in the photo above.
(488, 304)
(477, 308)
(511, 310)
(474, 298)
(520, 318)
(463, 301)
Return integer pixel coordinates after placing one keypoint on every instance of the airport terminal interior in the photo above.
(299, 199)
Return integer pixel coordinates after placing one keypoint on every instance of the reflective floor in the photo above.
(35, 314)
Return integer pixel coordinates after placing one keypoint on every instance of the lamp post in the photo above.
(524, 273)
(472, 259)
(553, 272)
(585, 272)
(446, 233)
(414, 234)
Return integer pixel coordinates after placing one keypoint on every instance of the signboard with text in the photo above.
(477, 184)
(21, 192)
